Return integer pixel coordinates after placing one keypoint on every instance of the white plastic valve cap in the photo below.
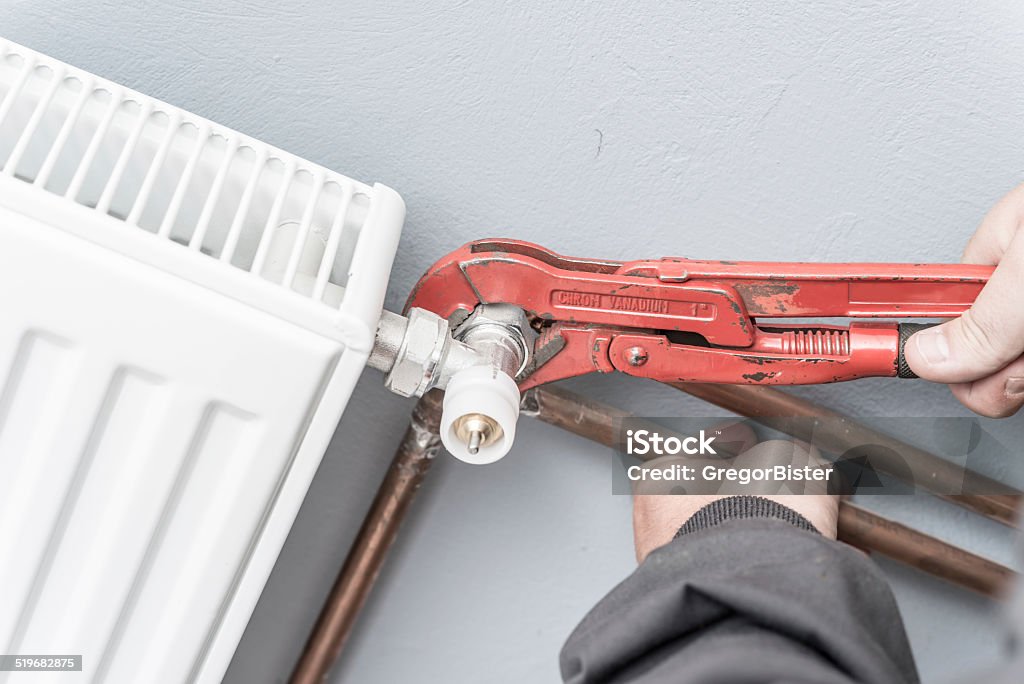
(482, 391)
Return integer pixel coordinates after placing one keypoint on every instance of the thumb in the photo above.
(985, 338)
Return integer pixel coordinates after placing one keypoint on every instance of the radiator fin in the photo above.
(156, 168)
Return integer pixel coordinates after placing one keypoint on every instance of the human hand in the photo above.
(979, 354)
(658, 516)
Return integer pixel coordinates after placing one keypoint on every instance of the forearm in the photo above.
(751, 599)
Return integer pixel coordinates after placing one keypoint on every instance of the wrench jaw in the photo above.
(444, 289)
(566, 351)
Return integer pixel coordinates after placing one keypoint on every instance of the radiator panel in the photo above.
(185, 313)
(142, 462)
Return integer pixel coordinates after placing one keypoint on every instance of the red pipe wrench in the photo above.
(689, 320)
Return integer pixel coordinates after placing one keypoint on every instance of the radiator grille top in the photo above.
(156, 168)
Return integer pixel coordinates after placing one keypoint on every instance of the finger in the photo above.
(997, 396)
(985, 338)
(993, 237)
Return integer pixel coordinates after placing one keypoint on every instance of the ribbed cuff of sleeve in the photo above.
(738, 507)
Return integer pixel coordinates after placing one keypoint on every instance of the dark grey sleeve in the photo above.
(744, 598)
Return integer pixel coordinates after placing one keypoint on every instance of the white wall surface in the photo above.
(781, 130)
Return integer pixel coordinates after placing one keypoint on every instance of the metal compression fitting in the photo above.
(476, 363)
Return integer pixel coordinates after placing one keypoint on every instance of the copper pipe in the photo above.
(412, 460)
(838, 433)
(868, 531)
(595, 421)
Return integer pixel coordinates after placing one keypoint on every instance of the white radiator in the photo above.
(184, 312)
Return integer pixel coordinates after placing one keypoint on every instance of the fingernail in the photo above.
(933, 346)
(1014, 387)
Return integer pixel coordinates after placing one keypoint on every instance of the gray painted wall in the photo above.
(741, 130)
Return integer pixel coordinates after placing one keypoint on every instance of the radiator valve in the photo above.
(476, 364)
